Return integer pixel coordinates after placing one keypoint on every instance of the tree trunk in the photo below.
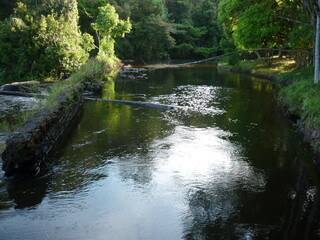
(317, 50)
(258, 54)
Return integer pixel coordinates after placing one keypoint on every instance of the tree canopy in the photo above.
(284, 24)
(34, 44)
(51, 38)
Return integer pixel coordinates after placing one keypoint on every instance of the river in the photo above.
(223, 164)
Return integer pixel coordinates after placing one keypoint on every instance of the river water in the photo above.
(223, 164)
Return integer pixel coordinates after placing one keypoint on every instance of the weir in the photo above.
(28, 146)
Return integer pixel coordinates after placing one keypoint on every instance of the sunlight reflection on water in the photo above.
(200, 99)
(199, 156)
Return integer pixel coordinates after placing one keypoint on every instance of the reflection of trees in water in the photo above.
(229, 214)
(221, 216)
(301, 220)
(27, 192)
(209, 216)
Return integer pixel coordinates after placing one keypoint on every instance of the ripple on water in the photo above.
(199, 99)
(11, 106)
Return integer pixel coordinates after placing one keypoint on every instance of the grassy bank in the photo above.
(297, 92)
(94, 71)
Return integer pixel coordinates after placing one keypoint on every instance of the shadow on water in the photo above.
(25, 193)
(29, 191)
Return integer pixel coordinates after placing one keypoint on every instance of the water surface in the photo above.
(223, 164)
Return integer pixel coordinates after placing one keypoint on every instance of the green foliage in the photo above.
(180, 12)
(150, 40)
(197, 32)
(8, 126)
(294, 75)
(311, 107)
(256, 30)
(302, 98)
(205, 52)
(143, 11)
(150, 37)
(108, 26)
(301, 37)
(162, 19)
(94, 70)
(268, 24)
(206, 16)
(229, 12)
(37, 46)
(296, 93)
(233, 60)
(60, 53)
(186, 37)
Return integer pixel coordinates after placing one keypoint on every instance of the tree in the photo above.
(196, 29)
(256, 30)
(180, 11)
(108, 26)
(150, 37)
(36, 45)
(283, 23)
(143, 11)
(205, 16)
(151, 40)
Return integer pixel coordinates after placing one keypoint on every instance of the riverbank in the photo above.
(298, 96)
(27, 146)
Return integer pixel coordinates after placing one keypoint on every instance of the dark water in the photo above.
(222, 165)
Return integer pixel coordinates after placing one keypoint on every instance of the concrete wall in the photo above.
(28, 146)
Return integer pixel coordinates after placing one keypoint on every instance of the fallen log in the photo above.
(133, 103)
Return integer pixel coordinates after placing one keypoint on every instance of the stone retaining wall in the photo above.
(28, 146)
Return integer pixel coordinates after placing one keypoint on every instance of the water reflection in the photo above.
(12, 108)
(301, 218)
(224, 165)
(211, 174)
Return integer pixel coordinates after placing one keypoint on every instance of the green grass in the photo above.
(95, 70)
(272, 66)
(302, 96)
